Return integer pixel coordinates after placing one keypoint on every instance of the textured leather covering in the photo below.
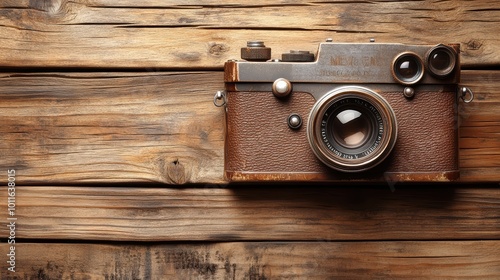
(261, 146)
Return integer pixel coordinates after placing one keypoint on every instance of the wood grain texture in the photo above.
(204, 34)
(162, 127)
(92, 103)
(112, 127)
(258, 213)
(479, 128)
(253, 260)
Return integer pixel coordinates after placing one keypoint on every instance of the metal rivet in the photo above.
(409, 92)
(372, 40)
(329, 40)
(282, 87)
(294, 121)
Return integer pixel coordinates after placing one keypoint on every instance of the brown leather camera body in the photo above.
(262, 144)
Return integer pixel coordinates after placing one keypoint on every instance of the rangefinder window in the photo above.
(441, 61)
(408, 68)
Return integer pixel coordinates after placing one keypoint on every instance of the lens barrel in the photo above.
(352, 129)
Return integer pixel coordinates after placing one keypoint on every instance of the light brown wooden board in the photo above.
(162, 127)
(204, 34)
(254, 260)
(256, 213)
(147, 126)
(112, 127)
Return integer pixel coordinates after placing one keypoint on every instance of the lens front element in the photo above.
(352, 129)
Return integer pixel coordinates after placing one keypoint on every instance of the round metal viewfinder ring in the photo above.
(352, 129)
(407, 68)
(441, 61)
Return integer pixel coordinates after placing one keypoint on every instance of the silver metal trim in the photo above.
(338, 63)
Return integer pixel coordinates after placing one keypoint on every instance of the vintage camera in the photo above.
(352, 112)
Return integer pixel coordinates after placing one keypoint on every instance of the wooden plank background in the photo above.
(106, 109)
(204, 34)
(269, 260)
(246, 213)
(162, 127)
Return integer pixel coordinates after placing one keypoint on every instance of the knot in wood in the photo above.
(50, 6)
(176, 173)
(218, 49)
(474, 45)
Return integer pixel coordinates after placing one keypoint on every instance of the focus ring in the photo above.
(371, 151)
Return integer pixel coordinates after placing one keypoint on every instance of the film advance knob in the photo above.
(255, 51)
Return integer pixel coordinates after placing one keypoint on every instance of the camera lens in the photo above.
(352, 129)
(441, 61)
(407, 68)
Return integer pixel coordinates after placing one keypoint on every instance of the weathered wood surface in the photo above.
(253, 260)
(162, 127)
(112, 127)
(62, 128)
(204, 34)
(256, 213)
